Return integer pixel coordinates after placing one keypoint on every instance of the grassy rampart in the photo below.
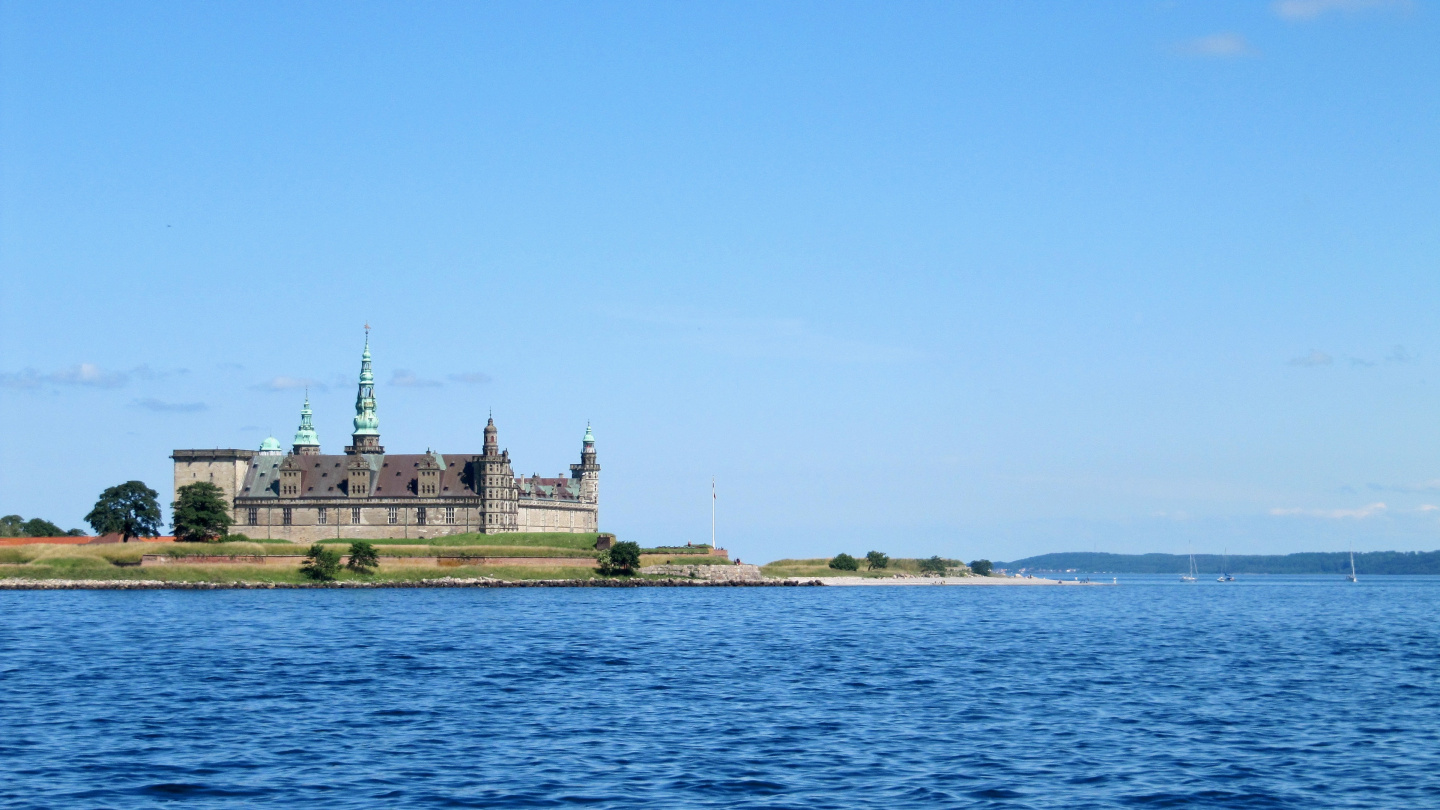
(121, 561)
(820, 567)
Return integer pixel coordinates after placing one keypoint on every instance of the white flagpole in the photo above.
(712, 514)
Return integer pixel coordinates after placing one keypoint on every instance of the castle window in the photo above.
(322, 516)
(393, 516)
(285, 516)
(420, 516)
(449, 514)
(355, 515)
(252, 516)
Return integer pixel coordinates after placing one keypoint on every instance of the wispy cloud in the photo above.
(1217, 46)
(151, 404)
(775, 338)
(1399, 354)
(284, 383)
(1423, 486)
(1362, 362)
(1306, 10)
(470, 378)
(1334, 514)
(405, 378)
(84, 374)
(1314, 358)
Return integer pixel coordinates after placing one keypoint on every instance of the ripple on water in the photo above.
(1288, 693)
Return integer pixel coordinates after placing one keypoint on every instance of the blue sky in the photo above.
(975, 279)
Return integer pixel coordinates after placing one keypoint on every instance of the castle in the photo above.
(304, 496)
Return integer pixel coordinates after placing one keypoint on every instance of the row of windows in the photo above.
(322, 516)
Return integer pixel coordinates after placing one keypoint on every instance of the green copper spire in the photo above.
(589, 437)
(305, 436)
(366, 422)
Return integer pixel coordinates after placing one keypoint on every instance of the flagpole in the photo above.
(712, 514)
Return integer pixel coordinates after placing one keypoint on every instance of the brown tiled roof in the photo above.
(396, 477)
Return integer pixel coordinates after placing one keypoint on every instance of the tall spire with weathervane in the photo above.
(307, 442)
(366, 437)
(588, 470)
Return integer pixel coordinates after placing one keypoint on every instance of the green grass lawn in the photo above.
(584, 541)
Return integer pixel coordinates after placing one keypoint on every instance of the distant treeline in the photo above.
(1313, 562)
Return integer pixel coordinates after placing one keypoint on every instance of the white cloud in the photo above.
(85, 374)
(405, 378)
(1217, 46)
(1305, 10)
(151, 404)
(1333, 514)
(1314, 358)
(1428, 507)
(284, 383)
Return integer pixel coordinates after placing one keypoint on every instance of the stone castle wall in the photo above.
(304, 523)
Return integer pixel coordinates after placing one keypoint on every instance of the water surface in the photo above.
(1285, 692)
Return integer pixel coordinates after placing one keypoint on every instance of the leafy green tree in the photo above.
(876, 559)
(844, 562)
(363, 559)
(128, 509)
(39, 527)
(75, 533)
(200, 516)
(622, 558)
(321, 564)
(982, 567)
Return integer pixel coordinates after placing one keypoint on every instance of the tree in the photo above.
(982, 567)
(39, 527)
(934, 565)
(12, 526)
(200, 516)
(876, 559)
(622, 558)
(844, 562)
(363, 559)
(321, 564)
(129, 510)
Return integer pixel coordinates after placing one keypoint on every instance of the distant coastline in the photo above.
(1310, 562)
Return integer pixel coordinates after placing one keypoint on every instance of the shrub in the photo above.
(363, 559)
(321, 564)
(621, 558)
(934, 565)
(982, 567)
(844, 562)
(876, 559)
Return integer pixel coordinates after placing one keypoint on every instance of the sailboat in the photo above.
(1350, 577)
(1193, 575)
(1224, 564)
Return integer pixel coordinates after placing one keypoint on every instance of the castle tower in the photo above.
(588, 470)
(307, 442)
(366, 438)
(494, 481)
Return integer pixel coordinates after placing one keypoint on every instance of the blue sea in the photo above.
(1270, 692)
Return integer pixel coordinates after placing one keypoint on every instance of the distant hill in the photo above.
(1370, 562)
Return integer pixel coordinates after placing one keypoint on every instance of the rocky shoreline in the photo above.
(446, 582)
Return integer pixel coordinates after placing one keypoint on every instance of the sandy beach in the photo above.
(944, 581)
